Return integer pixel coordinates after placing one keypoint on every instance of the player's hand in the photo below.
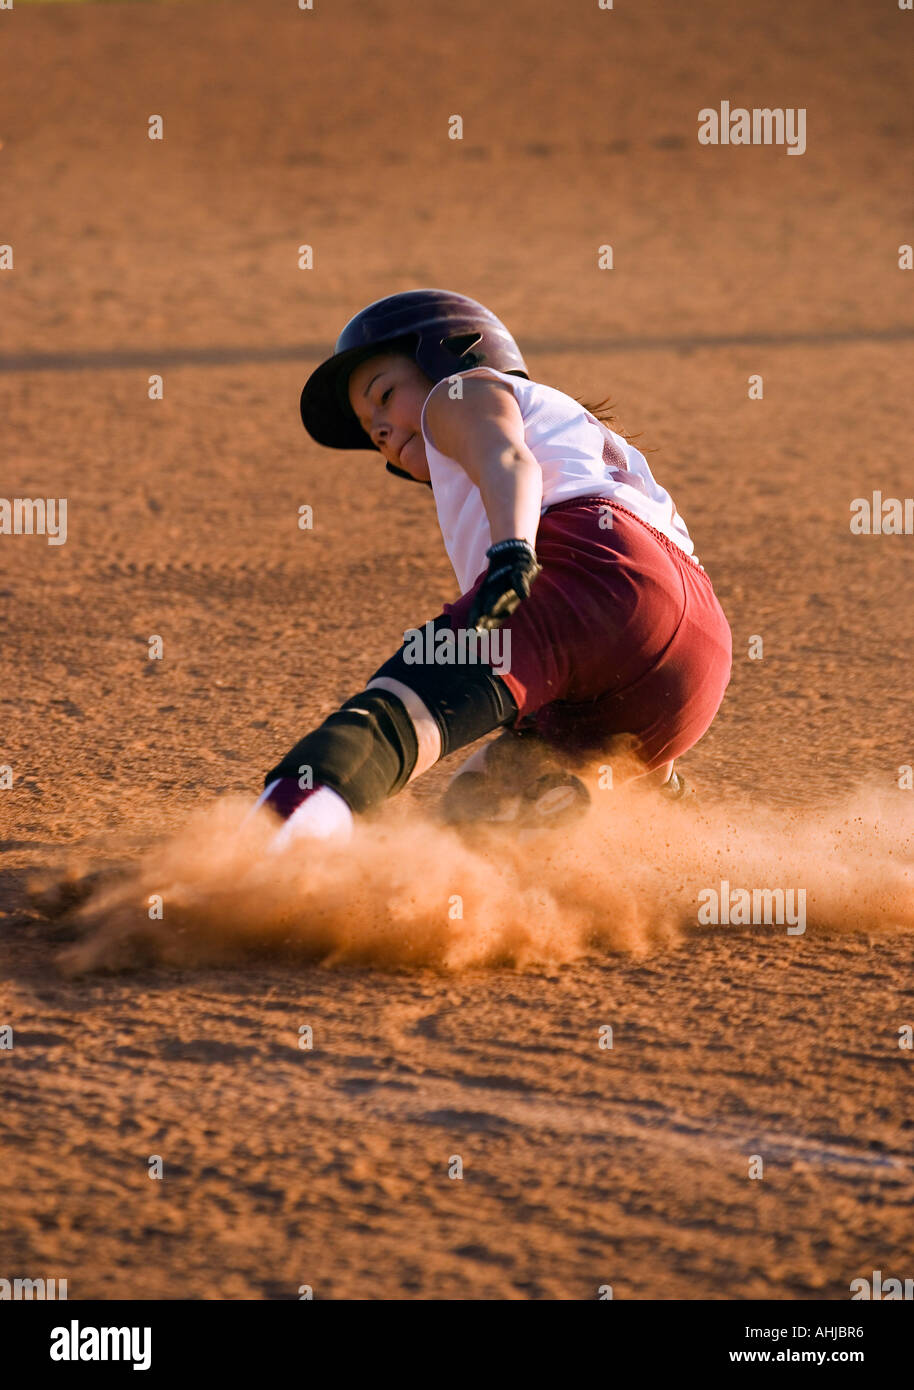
(513, 566)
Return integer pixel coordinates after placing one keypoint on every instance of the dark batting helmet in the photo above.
(445, 332)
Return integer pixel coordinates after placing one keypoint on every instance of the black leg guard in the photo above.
(365, 751)
(466, 701)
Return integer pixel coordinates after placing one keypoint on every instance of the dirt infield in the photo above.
(131, 257)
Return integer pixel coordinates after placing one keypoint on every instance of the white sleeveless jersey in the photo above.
(579, 456)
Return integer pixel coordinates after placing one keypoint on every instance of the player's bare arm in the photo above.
(484, 432)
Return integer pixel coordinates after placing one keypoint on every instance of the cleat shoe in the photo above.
(516, 779)
(323, 815)
(556, 798)
(676, 788)
(318, 813)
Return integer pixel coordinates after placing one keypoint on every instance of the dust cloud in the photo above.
(408, 891)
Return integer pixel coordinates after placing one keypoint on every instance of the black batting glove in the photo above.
(513, 566)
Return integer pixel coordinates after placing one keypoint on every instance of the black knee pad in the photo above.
(466, 700)
(365, 751)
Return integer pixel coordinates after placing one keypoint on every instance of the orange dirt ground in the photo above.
(329, 1167)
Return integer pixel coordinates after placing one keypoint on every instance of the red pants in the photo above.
(622, 635)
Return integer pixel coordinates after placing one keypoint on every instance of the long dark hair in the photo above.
(603, 411)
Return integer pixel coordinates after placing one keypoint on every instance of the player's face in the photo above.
(387, 393)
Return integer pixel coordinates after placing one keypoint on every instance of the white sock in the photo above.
(321, 816)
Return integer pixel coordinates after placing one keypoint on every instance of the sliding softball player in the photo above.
(564, 547)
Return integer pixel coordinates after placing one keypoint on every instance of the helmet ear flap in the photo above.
(459, 345)
(402, 473)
